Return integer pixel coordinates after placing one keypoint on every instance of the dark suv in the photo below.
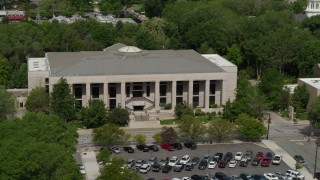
(143, 147)
(176, 145)
(217, 157)
(190, 145)
(228, 156)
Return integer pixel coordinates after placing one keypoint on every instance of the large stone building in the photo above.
(128, 77)
(313, 8)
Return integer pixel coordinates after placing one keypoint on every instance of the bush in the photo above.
(157, 138)
(140, 138)
(213, 105)
(182, 109)
(119, 116)
(199, 112)
(211, 115)
(168, 106)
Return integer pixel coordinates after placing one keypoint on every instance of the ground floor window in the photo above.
(78, 104)
(112, 103)
(163, 101)
(195, 101)
(179, 100)
(112, 91)
(212, 100)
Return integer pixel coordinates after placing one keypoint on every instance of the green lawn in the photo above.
(177, 121)
(302, 116)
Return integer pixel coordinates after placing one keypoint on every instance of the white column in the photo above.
(190, 93)
(123, 94)
(206, 94)
(106, 94)
(157, 95)
(88, 93)
(173, 94)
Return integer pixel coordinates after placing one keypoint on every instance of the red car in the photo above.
(223, 164)
(259, 155)
(168, 147)
(265, 162)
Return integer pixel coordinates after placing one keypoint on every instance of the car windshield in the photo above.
(139, 161)
(238, 154)
(172, 160)
(185, 158)
(277, 158)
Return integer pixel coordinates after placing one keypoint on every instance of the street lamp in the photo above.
(315, 161)
(267, 116)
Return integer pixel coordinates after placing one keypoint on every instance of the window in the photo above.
(127, 90)
(46, 80)
(163, 101)
(212, 100)
(137, 86)
(95, 90)
(312, 6)
(47, 88)
(212, 87)
(179, 100)
(163, 89)
(196, 87)
(317, 6)
(112, 103)
(148, 90)
(112, 91)
(179, 88)
(78, 91)
(21, 104)
(195, 101)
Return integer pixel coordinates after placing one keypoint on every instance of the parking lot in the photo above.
(200, 152)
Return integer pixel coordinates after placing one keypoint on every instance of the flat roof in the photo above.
(111, 61)
(315, 82)
(218, 60)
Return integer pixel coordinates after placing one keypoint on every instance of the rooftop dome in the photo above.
(130, 49)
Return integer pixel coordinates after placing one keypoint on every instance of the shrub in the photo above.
(182, 109)
(213, 105)
(140, 138)
(168, 106)
(199, 112)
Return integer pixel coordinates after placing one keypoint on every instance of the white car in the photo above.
(145, 168)
(186, 178)
(185, 159)
(212, 164)
(270, 176)
(232, 164)
(238, 156)
(277, 159)
(173, 161)
(115, 150)
(82, 170)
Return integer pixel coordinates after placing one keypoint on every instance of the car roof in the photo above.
(145, 165)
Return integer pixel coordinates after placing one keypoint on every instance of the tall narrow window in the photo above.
(95, 90)
(196, 87)
(127, 89)
(212, 87)
(163, 89)
(112, 91)
(148, 90)
(179, 88)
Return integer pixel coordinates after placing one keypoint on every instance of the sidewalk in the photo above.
(89, 161)
(286, 158)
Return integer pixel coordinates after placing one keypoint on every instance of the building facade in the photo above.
(313, 8)
(128, 77)
(312, 86)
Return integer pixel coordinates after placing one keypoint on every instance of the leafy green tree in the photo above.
(157, 138)
(234, 55)
(95, 114)
(140, 138)
(115, 170)
(38, 100)
(314, 112)
(119, 116)
(108, 135)
(20, 77)
(308, 57)
(249, 127)
(5, 71)
(221, 129)
(62, 101)
(168, 135)
(300, 97)
(7, 104)
(191, 128)
(104, 156)
(183, 109)
(126, 138)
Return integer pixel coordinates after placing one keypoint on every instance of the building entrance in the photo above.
(138, 108)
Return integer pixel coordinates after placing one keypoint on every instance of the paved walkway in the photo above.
(89, 162)
(286, 158)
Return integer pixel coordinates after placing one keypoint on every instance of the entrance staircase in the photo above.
(144, 99)
(141, 116)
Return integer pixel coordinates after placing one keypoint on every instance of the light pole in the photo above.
(269, 121)
(315, 161)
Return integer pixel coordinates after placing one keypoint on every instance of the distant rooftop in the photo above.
(290, 87)
(315, 82)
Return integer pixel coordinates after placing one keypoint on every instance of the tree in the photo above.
(5, 71)
(314, 112)
(126, 138)
(108, 135)
(119, 116)
(20, 77)
(234, 55)
(95, 114)
(140, 138)
(7, 104)
(300, 97)
(308, 57)
(183, 109)
(62, 101)
(249, 127)
(168, 135)
(191, 128)
(221, 129)
(157, 138)
(115, 170)
(38, 100)
(104, 156)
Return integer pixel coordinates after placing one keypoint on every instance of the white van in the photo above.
(295, 174)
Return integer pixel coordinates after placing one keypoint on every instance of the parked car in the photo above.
(217, 157)
(238, 156)
(203, 164)
(130, 163)
(280, 175)
(228, 156)
(223, 164)
(244, 162)
(153, 160)
(173, 161)
(145, 168)
(206, 157)
(245, 176)
(156, 168)
(265, 162)
(212, 164)
(189, 167)
(299, 158)
(232, 164)
(258, 177)
(269, 155)
(178, 167)
(177, 145)
(82, 170)
(139, 163)
(270, 176)
(293, 173)
(153, 148)
(185, 159)
(190, 145)
(128, 149)
(168, 147)
(164, 161)
(255, 162)
(248, 155)
(259, 155)
(115, 150)
(166, 169)
(277, 159)
(195, 160)
(221, 176)
(143, 147)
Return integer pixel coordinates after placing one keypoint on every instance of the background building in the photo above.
(313, 87)
(136, 79)
(313, 8)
